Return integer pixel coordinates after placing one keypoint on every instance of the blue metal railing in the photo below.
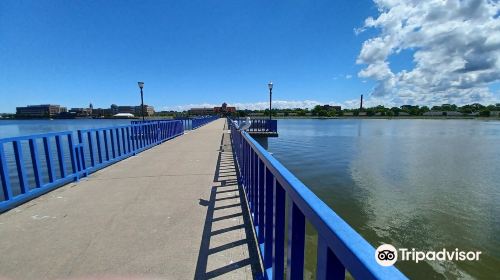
(197, 122)
(267, 184)
(261, 125)
(188, 123)
(33, 165)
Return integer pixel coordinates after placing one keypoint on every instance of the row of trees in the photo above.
(380, 110)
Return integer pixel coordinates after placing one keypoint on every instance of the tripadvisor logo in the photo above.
(387, 255)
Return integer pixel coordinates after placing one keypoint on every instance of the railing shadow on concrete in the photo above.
(225, 191)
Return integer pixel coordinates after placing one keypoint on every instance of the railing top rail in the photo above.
(355, 253)
(102, 128)
(153, 121)
(85, 130)
(34, 136)
(133, 124)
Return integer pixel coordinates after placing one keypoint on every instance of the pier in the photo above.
(153, 201)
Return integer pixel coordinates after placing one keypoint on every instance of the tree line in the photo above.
(380, 110)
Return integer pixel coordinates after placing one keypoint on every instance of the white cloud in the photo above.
(455, 44)
(342, 76)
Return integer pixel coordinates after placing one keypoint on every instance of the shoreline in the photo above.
(390, 118)
(294, 117)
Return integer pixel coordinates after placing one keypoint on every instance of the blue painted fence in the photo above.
(197, 122)
(188, 123)
(33, 165)
(267, 184)
(261, 125)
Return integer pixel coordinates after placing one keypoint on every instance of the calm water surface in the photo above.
(423, 184)
(11, 128)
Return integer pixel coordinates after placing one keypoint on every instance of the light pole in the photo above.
(270, 85)
(141, 86)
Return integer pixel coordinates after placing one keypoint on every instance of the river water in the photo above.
(423, 184)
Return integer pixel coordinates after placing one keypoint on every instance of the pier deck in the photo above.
(174, 211)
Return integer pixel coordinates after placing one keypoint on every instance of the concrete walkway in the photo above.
(171, 212)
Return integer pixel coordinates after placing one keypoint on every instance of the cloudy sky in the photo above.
(202, 53)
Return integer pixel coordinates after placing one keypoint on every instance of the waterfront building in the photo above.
(126, 109)
(81, 112)
(100, 112)
(201, 111)
(332, 108)
(442, 113)
(40, 111)
(148, 110)
(223, 110)
(114, 109)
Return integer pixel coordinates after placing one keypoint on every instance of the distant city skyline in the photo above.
(195, 53)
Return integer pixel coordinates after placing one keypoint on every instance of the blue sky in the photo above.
(187, 52)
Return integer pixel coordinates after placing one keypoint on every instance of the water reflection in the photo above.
(424, 184)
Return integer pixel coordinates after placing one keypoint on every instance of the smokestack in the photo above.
(361, 104)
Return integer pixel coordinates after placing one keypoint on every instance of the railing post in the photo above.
(268, 216)
(81, 155)
(129, 141)
(78, 156)
(112, 139)
(98, 142)
(106, 143)
(296, 238)
(18, 153)
(158, 138)
(135, 140)
(76, 152)
(4, 175)
(48, 159)
(250, 180)
(279, 232)
(124, 142)
(35, 161)
(91, 148)
(118, 144)
(260, 215)
(328, 265)
(255, 189)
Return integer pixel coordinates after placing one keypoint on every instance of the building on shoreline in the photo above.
(57, 111)
(82, 112)
(201, 111)
(40, 111)
(148, 110)
(223, 110)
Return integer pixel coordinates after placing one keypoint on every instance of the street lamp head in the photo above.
(270, 85)
(141, 84)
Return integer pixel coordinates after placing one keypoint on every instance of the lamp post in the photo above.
(141, 86)
(270, 85)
